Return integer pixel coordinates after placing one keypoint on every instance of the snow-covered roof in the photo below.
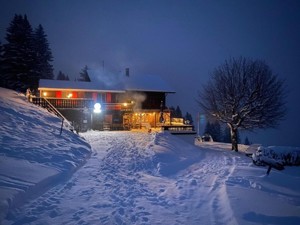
(102, 82)
(79, 85)
(150, 83)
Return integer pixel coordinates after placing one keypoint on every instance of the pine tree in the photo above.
(43, 54)
(216, 132)
(207, 128)
(84, 75)
(172, 111)
(19, 57)
(226, 135)
(214, 129)
(247, 142)
(188, 117)
(62, 76)
(178, 113)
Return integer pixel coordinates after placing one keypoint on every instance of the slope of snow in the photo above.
(33, 154)
(157, 178)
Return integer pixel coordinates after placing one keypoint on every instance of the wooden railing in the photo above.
(66, 103)
(45, 103)
(179, 129)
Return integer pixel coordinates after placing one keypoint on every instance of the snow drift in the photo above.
(286, 156)
(33, 154)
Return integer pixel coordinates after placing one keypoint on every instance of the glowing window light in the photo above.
(97, 108)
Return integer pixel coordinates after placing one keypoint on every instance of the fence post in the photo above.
(62, 124)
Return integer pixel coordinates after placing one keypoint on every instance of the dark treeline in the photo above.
(176, 113)
(221, 133)
(26, 57)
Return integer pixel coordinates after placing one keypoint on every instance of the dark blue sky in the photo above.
(181, 41)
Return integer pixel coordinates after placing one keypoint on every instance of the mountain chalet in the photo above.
(110, 101)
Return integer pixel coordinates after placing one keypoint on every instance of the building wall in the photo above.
(119, 110)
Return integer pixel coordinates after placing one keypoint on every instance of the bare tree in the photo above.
(244, 94)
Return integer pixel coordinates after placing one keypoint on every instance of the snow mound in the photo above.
(170, 158)
(289, 156)
(33, 153)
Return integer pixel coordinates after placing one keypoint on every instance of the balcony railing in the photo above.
(65, 103)
(68, 103)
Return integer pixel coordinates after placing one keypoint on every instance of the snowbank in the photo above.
(173, 154)
(33, 154)
(286, 156)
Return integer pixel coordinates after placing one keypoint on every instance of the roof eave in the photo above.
(79, 89)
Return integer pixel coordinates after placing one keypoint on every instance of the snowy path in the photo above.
(121, 184)
(203, 193)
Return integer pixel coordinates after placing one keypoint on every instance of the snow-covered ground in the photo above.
(141, 178)
(33, 154)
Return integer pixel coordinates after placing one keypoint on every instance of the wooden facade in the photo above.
(120, 110)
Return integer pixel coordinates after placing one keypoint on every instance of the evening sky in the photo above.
(181, 41)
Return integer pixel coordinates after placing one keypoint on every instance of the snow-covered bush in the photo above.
(289, 156)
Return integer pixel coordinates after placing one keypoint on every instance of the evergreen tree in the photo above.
(247, 142)
(188, 117)
(214, 129)
(62, 76)
(216, 132)
(84, 75)
(207, 128)
(226, 135)
(43, 54)
(172, 111)
(178, 113)
(19, 57)
(1, 51)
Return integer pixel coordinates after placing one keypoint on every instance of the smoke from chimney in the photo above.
(127, 72)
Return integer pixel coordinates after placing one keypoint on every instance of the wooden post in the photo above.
(269, 169)
(62, 124)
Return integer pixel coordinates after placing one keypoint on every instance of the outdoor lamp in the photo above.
(97, 108)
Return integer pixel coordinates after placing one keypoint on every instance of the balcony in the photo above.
(65, 103)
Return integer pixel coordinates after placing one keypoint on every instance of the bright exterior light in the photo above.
(70, 95)
(45, 94)
(97, 108)
(125, 104)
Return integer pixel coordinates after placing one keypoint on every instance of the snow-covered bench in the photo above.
(276, 157)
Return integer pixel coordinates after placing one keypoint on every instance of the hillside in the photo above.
(33, 154)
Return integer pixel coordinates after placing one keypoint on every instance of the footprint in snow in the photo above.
(193, 182)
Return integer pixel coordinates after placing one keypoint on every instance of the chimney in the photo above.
(127, 72)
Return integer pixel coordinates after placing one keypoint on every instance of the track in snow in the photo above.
(120, 185)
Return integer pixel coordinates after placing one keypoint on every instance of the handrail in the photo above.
(69, 125)
(46, 104)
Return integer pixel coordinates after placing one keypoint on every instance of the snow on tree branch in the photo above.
(244, 94)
